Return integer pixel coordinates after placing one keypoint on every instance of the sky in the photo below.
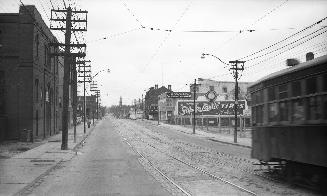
(120, 38)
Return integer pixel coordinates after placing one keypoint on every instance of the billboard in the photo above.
(207, 108)
(179, 94)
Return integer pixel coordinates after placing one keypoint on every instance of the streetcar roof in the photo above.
(294, 68)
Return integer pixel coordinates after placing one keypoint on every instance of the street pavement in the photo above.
(105, 165)
(19, 173)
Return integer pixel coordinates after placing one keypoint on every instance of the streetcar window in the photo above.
(259, 114)
(296, 88)
(297, 110)
(325, 106)
(272, 112)
(283, 111)
(271, 94)
(282, 89)
(325, 82)
(254, 101)
(253, 115)
(313, 108)
(311, 85)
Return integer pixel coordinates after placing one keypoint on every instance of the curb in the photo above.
(84, 137)
(235, 144)
(215, 140)
(29, 185)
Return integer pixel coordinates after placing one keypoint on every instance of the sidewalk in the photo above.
(21, 171)
(218, 137)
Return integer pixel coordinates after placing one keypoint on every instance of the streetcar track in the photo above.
(159, 171)
(256, 173)
(202, 170)
(148, 134)
(188, 164)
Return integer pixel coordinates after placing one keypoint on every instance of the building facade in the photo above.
(29, 97)
(90, 106)
(214, 102)
(151, 101)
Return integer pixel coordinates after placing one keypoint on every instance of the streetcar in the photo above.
(289, 121)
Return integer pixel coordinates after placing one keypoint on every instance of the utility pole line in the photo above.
(236, 68)
(93, 87)
(74, 93)
(67, 62)
(84, 81)
(194, 106)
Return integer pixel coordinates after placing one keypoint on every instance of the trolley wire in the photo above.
(288, 44)
(268, 47)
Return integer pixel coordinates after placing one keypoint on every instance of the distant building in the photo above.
(224, 90)
(151, 101)
(214, 105)
(29, 90)
(90, 108)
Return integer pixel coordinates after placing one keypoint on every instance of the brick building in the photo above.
(29, 90)
(151, 100)
(91, 106)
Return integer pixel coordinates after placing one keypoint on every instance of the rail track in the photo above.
(213, 176)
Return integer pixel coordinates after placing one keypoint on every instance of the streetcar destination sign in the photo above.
(208, 108)
(179, 94)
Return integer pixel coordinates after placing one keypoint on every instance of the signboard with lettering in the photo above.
(207, 108)
(179, 94)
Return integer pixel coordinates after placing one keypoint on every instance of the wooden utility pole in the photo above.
(194, 106)
(74, 94)
(235, 69)
(84, 81)
(67, 62)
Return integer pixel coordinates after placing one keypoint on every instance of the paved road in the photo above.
(105, 165)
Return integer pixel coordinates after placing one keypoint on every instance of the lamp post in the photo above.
(235, 74)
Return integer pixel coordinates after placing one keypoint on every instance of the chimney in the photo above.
(169, 87)
(292, 62)
(156, 86)
(309, 56)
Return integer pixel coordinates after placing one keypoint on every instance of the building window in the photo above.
(37, 90)
(271, 94)
(282, 90)
(313, 108)
(297, 110)
(211, 88)
(311, 85)
(283, 111)
(224, 122)
(224, 89)
(272, 112)
(296, 88)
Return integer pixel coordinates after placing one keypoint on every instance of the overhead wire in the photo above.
(306, 28)
(258, 20)
(167, 36)
(288, 44)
